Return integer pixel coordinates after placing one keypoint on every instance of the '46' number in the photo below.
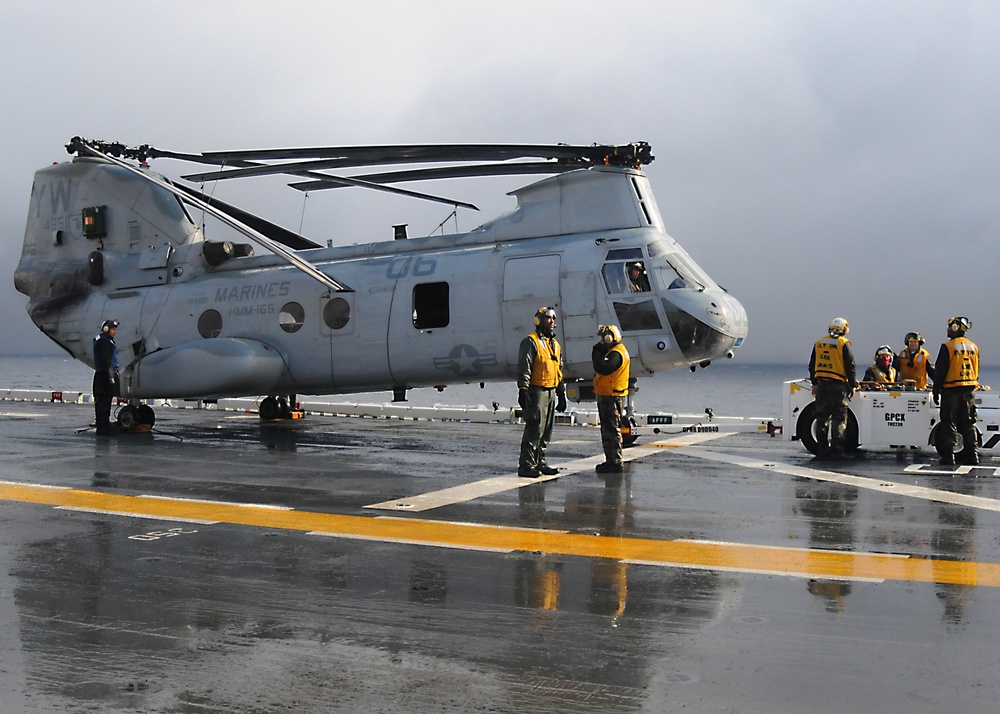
(420, 267)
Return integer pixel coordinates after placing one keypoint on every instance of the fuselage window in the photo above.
(625, 254)
(337, 313)
(291, 317)
(637, 316)
(430, 306)
(209, 324)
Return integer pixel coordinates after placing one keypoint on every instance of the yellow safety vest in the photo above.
(963, 363)
(884, 377)
(918, 372)
(616, 383)
(546, 370)
(830, 358)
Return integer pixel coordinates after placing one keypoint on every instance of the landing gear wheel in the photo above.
(269, 408)
(628, 439)
(128, 417)
(805, 431)
(146, 414)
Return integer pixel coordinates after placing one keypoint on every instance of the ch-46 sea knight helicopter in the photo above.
(109, 238)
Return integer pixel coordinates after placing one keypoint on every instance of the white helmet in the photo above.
(839, 327)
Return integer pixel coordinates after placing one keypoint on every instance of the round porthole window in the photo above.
(210, 324)
(337, 313)
(291, 317)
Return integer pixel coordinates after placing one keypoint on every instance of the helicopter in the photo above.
(107, 237)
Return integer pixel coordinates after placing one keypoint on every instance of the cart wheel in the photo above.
(959, 441)
(805, 430)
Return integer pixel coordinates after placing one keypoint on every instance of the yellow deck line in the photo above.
(676, 553)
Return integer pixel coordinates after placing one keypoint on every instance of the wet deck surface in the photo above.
(224, 565)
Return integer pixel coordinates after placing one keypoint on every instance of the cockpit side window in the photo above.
(638, 280)
(625, 277)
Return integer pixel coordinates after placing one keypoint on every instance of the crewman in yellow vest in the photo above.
(914, 362)
(882, 372)
(833, 374)
(956, 380)
(540, 393)
(611, 364)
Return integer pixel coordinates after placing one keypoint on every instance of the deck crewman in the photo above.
(611, 366)
(957, 378)
(914, 362)
(540, 393)
(833, 374)
(106, 384)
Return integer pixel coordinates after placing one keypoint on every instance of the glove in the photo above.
(937, 400)
(561, 402)
(522, 398)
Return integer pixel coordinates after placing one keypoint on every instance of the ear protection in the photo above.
(109, 325)
(958, 325)
(543, 312)
(608, 333)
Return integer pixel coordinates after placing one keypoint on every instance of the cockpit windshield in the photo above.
(682, 272)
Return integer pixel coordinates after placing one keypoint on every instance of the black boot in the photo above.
(969, 457)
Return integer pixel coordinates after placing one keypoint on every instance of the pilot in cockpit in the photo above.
(638, 280)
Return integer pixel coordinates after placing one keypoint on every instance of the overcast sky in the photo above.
(818, 159)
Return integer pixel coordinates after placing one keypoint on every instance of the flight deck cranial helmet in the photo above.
(884, 351)
(109, 325)
(913, 336)
(958, 326)
(544, 312)
(839, 327)
(609, 334)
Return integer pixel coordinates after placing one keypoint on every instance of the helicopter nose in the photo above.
(707, 328)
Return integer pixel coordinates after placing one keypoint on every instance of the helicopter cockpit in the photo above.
(662, 284)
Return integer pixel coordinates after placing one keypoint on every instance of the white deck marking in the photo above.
(131, 514)
(873, 484)
(499, 484)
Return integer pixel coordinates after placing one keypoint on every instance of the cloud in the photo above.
(818, 159)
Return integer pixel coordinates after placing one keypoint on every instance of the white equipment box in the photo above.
(884, 418)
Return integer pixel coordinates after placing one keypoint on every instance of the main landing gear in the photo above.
(136, 417)
(280, 407)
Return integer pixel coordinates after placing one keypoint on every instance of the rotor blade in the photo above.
(544, 167)
(303, 265)
(301, 167)
(271, 230)
(624, 154)
(344, 180)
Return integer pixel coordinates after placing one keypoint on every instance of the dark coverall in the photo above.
(957, 414)
(539, 411)
(610, 408)
(106, 381)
